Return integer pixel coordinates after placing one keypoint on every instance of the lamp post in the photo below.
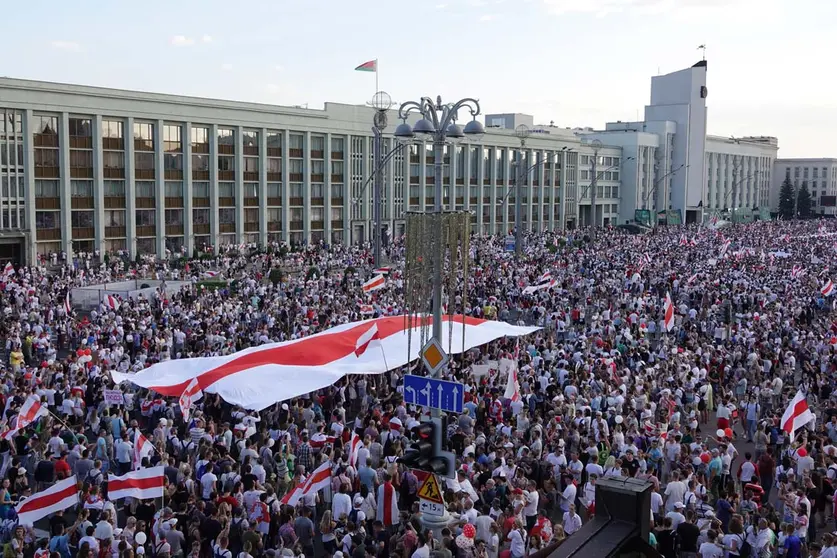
(438, 122)
(596, 145)
(381, 102)
(521, 132)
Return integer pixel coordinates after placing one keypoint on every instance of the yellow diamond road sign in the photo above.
(433, 355)
(430, 490)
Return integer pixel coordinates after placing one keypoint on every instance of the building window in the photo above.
(45, 124)
(296, 190)
(47, 220)
(337, 145)
(296, 141)
(80, 127)
(200, 216)
(226, 216)
(274, 190)
(80, 219)
(144, 131)
(146, 217)
(226, 189)
(46, 188)
(200, 163)
(82, 188)
(145, 189)
(113, 160)
(174, 217)
(200, 189)
(114, 218)
(226, 163)
(317, 143)
(174, 189)
(112, 129)
(114, 188)
(144, 161)
(251, 164)
(172, 138)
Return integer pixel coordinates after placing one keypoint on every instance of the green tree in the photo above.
(276, 275)
(804, 203)
(786, 201)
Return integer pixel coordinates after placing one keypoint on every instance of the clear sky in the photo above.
(574, 62)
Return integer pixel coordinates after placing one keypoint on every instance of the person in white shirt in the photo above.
(675, 491)
(676, 515)
(568, 496)
(571, 521)
(341, 504)
(208, 481)
(711, 549)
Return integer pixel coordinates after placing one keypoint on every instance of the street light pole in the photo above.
(596, 145)
(439, 123)
(381, 102)
(522, 132)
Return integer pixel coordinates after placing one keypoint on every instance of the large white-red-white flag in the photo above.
(367, 338)
(668, 316)
(319, 479)
(377, 282)
(142, 448)
(190, 395)
(828, 288)
(512, 385)
(145, 484)
(58, 497)
(796, 415)
(355, 443)
(258, 377)
(30, 411)
(112, 302)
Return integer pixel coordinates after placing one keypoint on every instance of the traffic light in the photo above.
(426, 452)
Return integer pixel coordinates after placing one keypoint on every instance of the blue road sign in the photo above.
(433, 393)
(510, 243)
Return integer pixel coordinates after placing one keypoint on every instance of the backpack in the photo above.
(353, 516)
(235, 534)
(746, 550)
(217, 552)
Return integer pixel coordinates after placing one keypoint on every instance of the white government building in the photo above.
(819, 175)
(196, 172)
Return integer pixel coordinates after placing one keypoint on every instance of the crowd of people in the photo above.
(606, 390)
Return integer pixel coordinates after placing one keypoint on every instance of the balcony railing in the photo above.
(317, 225)
(81, 142)
(143, 145)
(274, 176)
(337, 155)
(460, 181)
(147, 230)
(81, 172)
(113, 144)
(337, 178)
(226, 175)
(251, 202)
(296, 225)
(146, 203)
(83, 233)
(318, 201)
(414, 201)
(200, 175)
(47, 203)
(200, 148)
(144, 174)
(113, 172)
(226, 149)
(274, 201)
(174, 174)
(317, 177)
(295, 201)
(173, 202)
(226, 227)
(317, 153)
(274, 226)
(250, 176)
(47, 172)
(201, 228)
(115, 232)
(296, 177)
(295, 153)
(251, 227)
(251, 150)
(46, 140)
(414, 179)
(174, 230)
(78, 202)
(114, 202)
(226, 202)
(336, 223)
(200, 202)
(274, 151)
(49, 234)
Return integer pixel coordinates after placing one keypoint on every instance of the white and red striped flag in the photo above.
(367, 309)
(377, 282)
(319, 479)
(796, 272)
(145, 484)
(30, 411)
(9, 269)
(366, 339)
(58, 497)
(668, 317)
(190, 395)
(545, 278)
(796, 415)
(68, 308)
(320, 439)
(828, 288)
(211, 274)
(724, 247)
(691, 279)
(382, 270)
(355, 443)
(142, 448)
(112, 302)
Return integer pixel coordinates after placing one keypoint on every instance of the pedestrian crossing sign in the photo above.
(430, 490)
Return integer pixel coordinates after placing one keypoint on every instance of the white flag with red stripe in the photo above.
(367, 338)
(796, 272)
(382, 270)
(259, 376)
(320, 439)
(68, 308)
(58, 497)
(9, 269)
(142, 448)
(355, 443)
(30, 411)
(828, 288)
(319, 479)
(112, 302)
(367, 309)
(512, 385)
(796, 415)
(377, 282)
(145, 484)
(668, 317)
(724, 247)
(190, 395)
